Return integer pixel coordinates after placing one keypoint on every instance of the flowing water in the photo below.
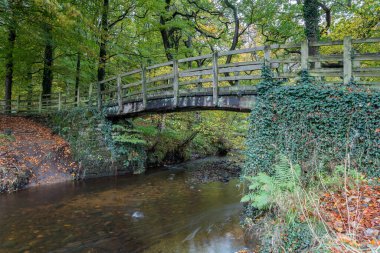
(158, 212)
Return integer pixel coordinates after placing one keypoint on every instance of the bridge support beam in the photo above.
(347, 60)
(215, 79)
(143, 84)
(175, 83)
(305, 55)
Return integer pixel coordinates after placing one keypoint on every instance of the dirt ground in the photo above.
(30, 154)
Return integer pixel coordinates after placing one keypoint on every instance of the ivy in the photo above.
(101, 147)
(316, 126)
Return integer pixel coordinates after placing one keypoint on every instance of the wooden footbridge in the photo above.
(210, 82)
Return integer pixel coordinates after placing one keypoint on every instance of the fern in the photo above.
(264, 189)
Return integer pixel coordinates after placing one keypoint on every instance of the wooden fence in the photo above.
(337, 62)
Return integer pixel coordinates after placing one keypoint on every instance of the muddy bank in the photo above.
(30, 154)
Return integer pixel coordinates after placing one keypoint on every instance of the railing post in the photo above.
(40, 103)
(267, 55)
(18, 104)
(175, 83)
(215, 79)
(143, 88)
(304, 55)
(90, 95)
(59, 101)
(347, 60)
(99, 97)
(119, 94)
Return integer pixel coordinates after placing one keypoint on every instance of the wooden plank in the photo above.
(143, 89)
(195, 73)
(304, 55)
(331, 57)
(195, 58)
(136, 71)
(215, 79)
(162, 87)
(238, 64)
(175, 83)
(347, 60)
(108, 80)
(59, 101)
(201, 80)
(284, 46)
(297, 60)
(240, 69)
(119, 95)
(197, 69)
(368, 74)
(235, 78)
(160, 65)
(135, 84)
(242, 51)
(328, 74)
(367, 57)
(367, 40)
(325, 70)
(326, 43)
(359, 69)
(159, 78)
(267, 56)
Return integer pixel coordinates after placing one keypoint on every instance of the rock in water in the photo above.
(137, 215)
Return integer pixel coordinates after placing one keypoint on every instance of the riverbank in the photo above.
(30, 154)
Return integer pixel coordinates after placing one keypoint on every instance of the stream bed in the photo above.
(157, 212)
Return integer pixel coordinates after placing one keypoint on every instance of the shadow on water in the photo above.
(158, 212)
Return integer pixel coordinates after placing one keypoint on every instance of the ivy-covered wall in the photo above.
(316, 126)
(100, 147)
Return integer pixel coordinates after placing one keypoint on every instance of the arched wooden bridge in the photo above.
(211, 82)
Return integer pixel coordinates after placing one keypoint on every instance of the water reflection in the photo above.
(159, 212)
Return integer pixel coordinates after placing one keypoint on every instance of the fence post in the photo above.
(18, 104)
(267, 55)
(175, 83)
(347, 60)
(40, 103)
(215, 79)
(99, 97)
(90, 95)
(119, 94)
(304, 55)
(59, 101)
(143, 87)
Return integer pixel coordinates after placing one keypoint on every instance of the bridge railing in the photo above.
(333, 62)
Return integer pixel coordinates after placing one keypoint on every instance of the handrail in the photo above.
(212, 71)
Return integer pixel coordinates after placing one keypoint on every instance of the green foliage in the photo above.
(264, 190)
(310, 123)
(100, 147)
(5, 138)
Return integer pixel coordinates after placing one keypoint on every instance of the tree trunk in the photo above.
(311, 19)
(9, 68)
(103, 44)
(47, 80)
(165, 33)
(77, 77)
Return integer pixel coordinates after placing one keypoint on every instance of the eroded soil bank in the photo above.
(30, 154)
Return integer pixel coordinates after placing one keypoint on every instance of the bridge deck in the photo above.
(211, 82)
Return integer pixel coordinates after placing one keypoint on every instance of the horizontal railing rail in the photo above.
(342, 61)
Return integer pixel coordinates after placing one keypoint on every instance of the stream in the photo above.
(156, 212)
